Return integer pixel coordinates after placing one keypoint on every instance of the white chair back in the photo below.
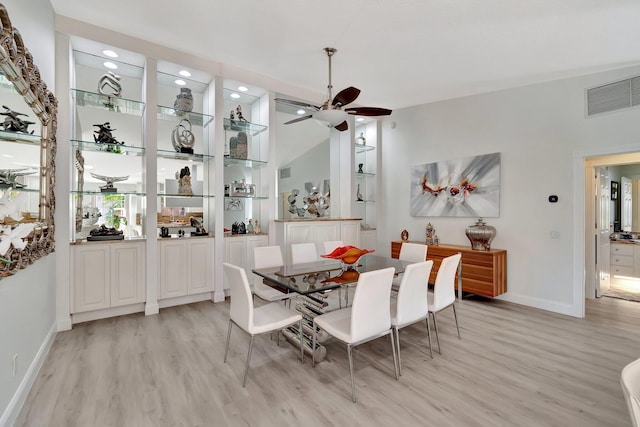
(241, 310)
(267, 256)
(411, 304)
(371, 312)
(444, 293)
(303, 252)
(330, 245)
(414, 252)
(630, 381)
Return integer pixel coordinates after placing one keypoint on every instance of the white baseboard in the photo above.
(88, 316)
(15, 405)
(187, 299)
(151, 309)
(540, 303)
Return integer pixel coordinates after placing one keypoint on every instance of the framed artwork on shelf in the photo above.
(615, 188)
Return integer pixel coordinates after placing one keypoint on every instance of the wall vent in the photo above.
(285, 173)
(613, 96)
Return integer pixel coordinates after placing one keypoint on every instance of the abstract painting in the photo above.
(466, 187)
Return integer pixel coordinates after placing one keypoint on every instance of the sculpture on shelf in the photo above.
(360, 165)
(104, 134)
(111, 81)
(13, 122)
(239, 115)
(315, 203)
(250, 226)
(105, 233)
(232, 115)
(183, 176)
(256, 228)
(359, 197)
(182, 138)
(108, 187)
(197, 223)
(8, 177)
(404, 235)
(361, 140)
(90, 215)
(184, 101)
(431, 236)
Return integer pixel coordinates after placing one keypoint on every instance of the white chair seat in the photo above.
(268, 293)
(337, 323)
(270, 317)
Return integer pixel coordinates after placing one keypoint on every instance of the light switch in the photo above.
(555, 234)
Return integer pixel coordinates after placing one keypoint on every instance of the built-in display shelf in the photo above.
(171, 114)
(84, 98)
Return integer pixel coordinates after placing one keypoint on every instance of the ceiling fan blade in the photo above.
(368, 111)
(297, 103)
(296, 120)
(342, 126)
(346, 96)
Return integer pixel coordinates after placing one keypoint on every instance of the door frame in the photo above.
(583, 161)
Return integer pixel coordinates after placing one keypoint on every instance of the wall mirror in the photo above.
(28, 133)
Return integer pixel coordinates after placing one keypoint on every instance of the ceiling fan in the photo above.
(331, 110)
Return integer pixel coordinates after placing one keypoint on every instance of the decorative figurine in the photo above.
(90, 215)
(360, 165)
(256, 228)
(108, 187)
(183, 176)
(164, 232)
(182, 138)
(250, 227)
(234, 228)
(197, 223)
(103, 135)
(404, 235)
(431, 233)
(105, 233)
(184, 101)
(8, 177)
(242, 228)
(232, 115)
(13, 123)
(361, 140)
(239, 115)
(110, 81)
(241, 146)
(359, 197)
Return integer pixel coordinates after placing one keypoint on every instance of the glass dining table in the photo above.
(314, 282)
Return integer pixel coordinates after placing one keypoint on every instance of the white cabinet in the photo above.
(239, 251)
(316, 231)
(625, 261)
(186, 266)
(107, 275)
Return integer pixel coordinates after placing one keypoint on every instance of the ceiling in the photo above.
(399, 53)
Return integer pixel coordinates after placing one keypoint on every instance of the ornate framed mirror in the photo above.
(27, 200)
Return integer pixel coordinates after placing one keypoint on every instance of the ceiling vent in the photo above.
(285, 173)
(613, 96)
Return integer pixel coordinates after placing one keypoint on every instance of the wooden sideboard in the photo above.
(483, 272)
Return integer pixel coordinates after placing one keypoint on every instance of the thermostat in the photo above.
(553, 199)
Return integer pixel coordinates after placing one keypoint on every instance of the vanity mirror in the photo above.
(26, 234)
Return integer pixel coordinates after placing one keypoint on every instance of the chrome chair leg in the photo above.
(397, 331)
(313, 346)
(435, 325)
(429, 335)
(246, 369)
(301, 344)
(395, 359)
(456, 316)
(226, 348)
(278, 337)
(353, 387)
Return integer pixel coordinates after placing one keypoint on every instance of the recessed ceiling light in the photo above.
(300, 112)
(7, 155)
(360, 119)
(235, 95)
(184, 73)
(109, 53)
(180, 82)
(110, 65)
(242, 88)
(88, 167)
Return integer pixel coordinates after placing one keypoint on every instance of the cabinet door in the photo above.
(236, 253)
(127, 274)
(91, 278)
(326, 232)
(351, 233)
(200, 266)
(173, 268)
(369, 239)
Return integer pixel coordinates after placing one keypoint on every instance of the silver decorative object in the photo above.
(359, 197)
(430, 235)
(8, 177)
(184, 101)
(108, 187)
(109, 84)
(183, 176)
(480, 235)
(13, 123)
(361, 140)
(182, 138)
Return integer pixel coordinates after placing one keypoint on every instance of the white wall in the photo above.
(27, 299)
(537, 129)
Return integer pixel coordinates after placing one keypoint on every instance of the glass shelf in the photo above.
(229, 161)
(246, 197)
(364, 202)
(236, 125)
(187, 196)
(171, 114)
(362, 148)
(106, 102)
(107, 193)
(18, 190)
(364, 174)
(108, 148)
(23, 138)
(174, 155)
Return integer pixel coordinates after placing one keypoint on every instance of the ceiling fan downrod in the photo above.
(330, 51)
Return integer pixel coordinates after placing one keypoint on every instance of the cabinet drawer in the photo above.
(622, 260)
(619, 270)
(626, 249)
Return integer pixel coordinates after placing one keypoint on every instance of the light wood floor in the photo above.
(515, 366)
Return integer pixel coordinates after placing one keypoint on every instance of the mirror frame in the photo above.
(16, 63)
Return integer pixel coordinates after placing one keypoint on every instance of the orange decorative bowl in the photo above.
(347, 254)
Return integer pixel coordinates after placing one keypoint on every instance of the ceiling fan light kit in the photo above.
(331, 111)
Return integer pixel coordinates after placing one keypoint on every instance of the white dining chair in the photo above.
(444, 294)
(303, 252)
(254, 321)
(630, 382)
(330, 245)
(367, 319)
(410, 306)
(267, 257)
(412, 252)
